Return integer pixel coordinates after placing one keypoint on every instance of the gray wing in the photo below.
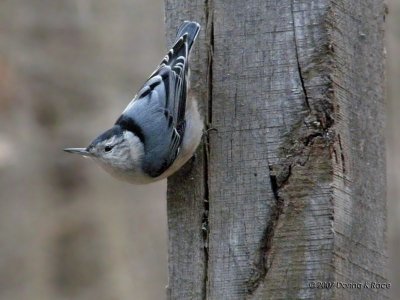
(157, 114)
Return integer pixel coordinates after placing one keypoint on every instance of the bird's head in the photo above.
(118, 151)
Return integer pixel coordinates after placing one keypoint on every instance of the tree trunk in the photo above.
(289, 191)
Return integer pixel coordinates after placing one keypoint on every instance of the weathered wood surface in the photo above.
(294, 175)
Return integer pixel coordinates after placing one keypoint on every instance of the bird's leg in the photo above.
(208, 130)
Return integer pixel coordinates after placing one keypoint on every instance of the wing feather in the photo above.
(160, 105)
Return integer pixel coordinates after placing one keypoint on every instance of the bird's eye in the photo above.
(108, 148)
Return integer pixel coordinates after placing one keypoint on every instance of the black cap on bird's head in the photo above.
(118, 151)
(114, 131)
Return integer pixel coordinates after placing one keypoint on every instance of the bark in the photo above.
(290, 188)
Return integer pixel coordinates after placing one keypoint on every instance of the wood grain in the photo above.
(294, 174)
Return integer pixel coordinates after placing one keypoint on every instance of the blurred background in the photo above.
(68, 230)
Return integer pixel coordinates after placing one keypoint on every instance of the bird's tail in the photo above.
(191, 29)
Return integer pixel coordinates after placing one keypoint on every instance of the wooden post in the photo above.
(289, 192)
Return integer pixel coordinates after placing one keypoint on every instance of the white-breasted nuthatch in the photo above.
(161, 127)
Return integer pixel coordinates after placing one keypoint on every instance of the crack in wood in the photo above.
(236, 101)
(206, 207)
(342, 155)
(280, 175)
(317, 124)
(264, 262)
(205, 222)
(306, 99)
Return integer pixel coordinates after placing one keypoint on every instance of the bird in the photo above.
(161, 128)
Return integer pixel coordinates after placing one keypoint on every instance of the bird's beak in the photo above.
(81, 151)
